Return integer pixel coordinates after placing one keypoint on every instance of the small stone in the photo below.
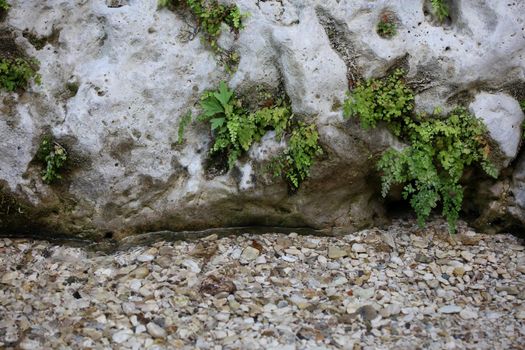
(191, 265)
(358, 248)
(293, 251)
(450, 309)
(222, 316)
(155, 330)
(140, 272)
(121, 336)
(458, 271)
(145, 258)
(468, 256)
(299, 301)
(364, 293)
(408, 273)
(511, 290)
(421, 258)
(249, 254)
(335, 252)
(468, 314)
(367, 312)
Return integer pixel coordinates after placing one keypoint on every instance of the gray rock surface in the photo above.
(138, 72)
(503, 117)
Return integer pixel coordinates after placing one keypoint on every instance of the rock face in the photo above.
(138, 72)
(503, 117)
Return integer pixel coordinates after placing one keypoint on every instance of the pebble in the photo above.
(155, 330)
(358, 248)
(382, 288)
(450, 309)
(249, 253)
(121, 336)
(335, 252)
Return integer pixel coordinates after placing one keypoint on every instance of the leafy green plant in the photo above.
(210, 15)
(17, 73)
(53, 156)
(184, 122)
(439, 148)
(235, 129)
(303, 147)
(386, 27)
(379, 100)
(522, 105)
(4, 6)
(441, 10)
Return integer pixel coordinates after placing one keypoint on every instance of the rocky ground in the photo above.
(398, 288)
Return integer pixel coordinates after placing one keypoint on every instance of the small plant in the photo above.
(17, 73)
(522, 105)
(386, 27)
(377, 100)
(303, 147)
(440, 9)
(439, 148)
(235, 130)
(184, 122)
(53, 156)
(4, 6)
(210, 15)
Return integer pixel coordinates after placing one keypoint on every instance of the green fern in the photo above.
(53, 156)
(440, 148)
(441, 9)
(4, 6)
(210, 15)
(235, 130)
(17, 73)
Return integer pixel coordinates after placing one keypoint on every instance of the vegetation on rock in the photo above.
(439, 147)
(210, 15)
(386, 27)
(4, 6)
(441, 10)
(235, 129)
(53, 156)
(17, 73)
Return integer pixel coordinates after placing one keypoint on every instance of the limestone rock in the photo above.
(137, 73)
(503, 117)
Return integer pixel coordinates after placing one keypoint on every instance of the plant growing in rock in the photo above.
(17, 73)
(439, 148)
(440, 9)
(303, 147)
(4, 6)
(386, 27)
(235, 129)
(210, 15)
(53, 156)
(522, 105)
(381, 100)
(184, 122)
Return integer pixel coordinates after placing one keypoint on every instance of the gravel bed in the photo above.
(395, 288)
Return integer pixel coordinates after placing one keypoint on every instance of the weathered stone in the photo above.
(503, 116)
(155, 330)
(334, 252)
(128, 174)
